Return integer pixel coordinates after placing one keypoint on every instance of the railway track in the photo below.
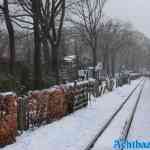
(128, 124)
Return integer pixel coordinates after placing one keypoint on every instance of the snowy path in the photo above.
(74, 132)
(114, 131)
(140, 128)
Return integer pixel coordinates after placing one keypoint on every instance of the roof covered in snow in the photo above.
(70, 58)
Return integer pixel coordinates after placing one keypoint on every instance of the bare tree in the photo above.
(37, 43)
(88, 15)
(115, 36)
(29, 18)
(52, 19)
(52, 13)
(5, 10)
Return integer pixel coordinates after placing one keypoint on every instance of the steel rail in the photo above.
(105, 126)
(130, 120)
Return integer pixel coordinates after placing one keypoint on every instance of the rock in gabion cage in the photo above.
(8, 118)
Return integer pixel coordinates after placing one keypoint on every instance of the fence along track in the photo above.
(33, 109)
(130, 120)
(92, 143)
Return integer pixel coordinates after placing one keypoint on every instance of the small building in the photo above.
(68, 68)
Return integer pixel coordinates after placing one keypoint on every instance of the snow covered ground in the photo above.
(75, 131)
(140, 129)
(114, 131)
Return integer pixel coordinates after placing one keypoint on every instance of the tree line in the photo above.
(51, 24)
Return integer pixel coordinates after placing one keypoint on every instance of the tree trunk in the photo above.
(77, 59)
(37, 44)
(106, 63)
(94, 60)
(11, 37)
(46, 55)
(55, 63)
(113, 57)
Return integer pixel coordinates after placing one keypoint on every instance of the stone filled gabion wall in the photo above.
(46, 106)
(8, 118)
(40, 107)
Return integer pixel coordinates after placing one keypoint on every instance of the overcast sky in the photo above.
(135, 11)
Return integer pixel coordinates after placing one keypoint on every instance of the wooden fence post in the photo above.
(22, 122)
